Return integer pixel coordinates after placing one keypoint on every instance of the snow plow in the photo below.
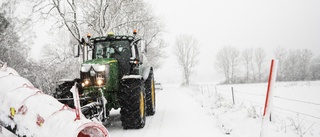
(114, 75)
(28, 112)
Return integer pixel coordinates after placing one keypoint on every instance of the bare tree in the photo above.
(122, 16)
(290, 71)
(186, 50)
(223, 63)
(234, 60)
(259, 57)
(304, 64)
(297, 65)
(65, 13)
(280, 55)
(247, 56)
(99, 17)
(314, 68)
(228, 61)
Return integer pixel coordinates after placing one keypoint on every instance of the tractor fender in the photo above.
(146, 71)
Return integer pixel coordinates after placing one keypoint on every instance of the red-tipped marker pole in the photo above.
(269, 98)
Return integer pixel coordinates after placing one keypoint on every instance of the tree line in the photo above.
(251, 66)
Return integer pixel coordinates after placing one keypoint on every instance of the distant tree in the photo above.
(227, 60)
(234, 60)
(290, 64)
(247, 56)
(280, 55)
(259, 57)
(186, 50)
(304, 64)
(314, 68)
(223, 63)
(297, 65)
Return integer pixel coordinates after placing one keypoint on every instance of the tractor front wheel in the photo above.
(132, 100)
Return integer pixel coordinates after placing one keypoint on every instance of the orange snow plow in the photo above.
(27, 111)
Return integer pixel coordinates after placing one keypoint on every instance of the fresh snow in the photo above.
(296, 108)
(207, 110)
(177, 115)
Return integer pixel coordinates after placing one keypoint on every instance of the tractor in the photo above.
(114, 74)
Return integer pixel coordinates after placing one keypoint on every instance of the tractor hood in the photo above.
(96, 64)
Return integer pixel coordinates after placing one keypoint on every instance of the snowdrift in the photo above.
(27, 111)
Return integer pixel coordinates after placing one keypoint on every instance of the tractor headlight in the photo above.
(100, 81)
(86, 82)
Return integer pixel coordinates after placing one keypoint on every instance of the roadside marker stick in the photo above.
(232, 96)
(269, 98)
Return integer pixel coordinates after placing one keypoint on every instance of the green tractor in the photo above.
(115, 77)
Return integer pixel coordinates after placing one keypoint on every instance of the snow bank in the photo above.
(32, 113)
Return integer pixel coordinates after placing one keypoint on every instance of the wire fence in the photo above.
(296, 100)
(231, 93)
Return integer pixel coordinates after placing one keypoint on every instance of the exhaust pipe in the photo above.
(27, 111)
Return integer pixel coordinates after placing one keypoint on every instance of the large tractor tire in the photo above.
(132, 100)
(150, 95)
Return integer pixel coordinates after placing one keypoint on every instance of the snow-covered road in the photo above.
(177, 115)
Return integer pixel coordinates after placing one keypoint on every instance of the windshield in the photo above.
(108, 49)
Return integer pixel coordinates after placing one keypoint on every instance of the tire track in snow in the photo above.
(177, 115)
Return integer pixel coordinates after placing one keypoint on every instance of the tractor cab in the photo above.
(122, 48)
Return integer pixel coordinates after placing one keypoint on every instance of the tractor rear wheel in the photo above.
(132, 100)
(150, 95)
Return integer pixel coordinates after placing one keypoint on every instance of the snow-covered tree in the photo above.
(186, 50)
(72, 19)
(227, 60)
(314, 68)
(247, 55)
(100, 17)
(297, 65)
(304, 64)
(259, 56)
(14, 46)
(280, 55)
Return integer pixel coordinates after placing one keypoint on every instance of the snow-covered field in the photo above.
(296, 109)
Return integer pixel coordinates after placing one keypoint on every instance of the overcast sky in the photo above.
(292, 24)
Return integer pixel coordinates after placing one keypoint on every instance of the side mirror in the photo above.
(143, 46)
(76, 50)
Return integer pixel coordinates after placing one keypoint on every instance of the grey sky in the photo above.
(292, 24)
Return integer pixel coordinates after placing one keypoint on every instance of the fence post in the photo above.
(232, 96)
